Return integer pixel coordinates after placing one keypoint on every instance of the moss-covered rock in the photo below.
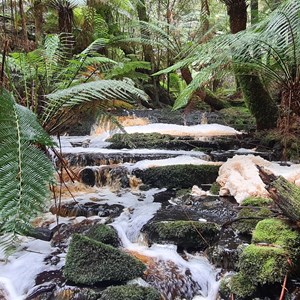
(263, 264)
(257, 201)
(130, 292)
(241, 286)
(278, 232)
(142, 140)
(178, 176)
(189, 235)
(105, 234)
(92, 262)
(249, 217)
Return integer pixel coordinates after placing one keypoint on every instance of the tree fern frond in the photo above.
(98, 90)
(24, 170)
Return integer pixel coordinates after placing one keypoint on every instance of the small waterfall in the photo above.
(189, 277)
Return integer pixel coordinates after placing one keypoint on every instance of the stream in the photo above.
(112, 192)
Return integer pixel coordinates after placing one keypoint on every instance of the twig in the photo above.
(283, 288)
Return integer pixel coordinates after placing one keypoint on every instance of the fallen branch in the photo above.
(285, 194)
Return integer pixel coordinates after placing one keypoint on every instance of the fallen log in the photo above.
(284, 193)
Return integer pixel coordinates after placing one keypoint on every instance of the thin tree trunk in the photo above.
(24, 26)
(254, 11)
(38, 10)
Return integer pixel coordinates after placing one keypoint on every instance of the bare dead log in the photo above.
(284, 193)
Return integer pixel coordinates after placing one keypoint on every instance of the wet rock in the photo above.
(187, 235)
(105, 234)
(172, 281)
(41, 233)
(225, 253)
(164, 196)
(63, 231)
(105, 175)
(91, 262)
(178, 176)
(248, 217)
(82, 159)
(88, 209)
(130, 292)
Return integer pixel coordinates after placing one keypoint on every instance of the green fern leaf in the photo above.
(25, 171)
(102, 90)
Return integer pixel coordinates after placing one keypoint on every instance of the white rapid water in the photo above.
(188, 277)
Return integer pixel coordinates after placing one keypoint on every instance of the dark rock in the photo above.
(187, 235)
(178, 176)
(164, 196)
(87, 210)
(130, 292)
(41, 233)
(90, 262)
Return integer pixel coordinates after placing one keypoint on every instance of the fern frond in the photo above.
(102, 90)
(24, 170)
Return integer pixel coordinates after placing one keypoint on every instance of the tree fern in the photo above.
(105, 91)
(25, 171)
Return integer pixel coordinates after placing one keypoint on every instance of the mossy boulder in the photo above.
(178, 176)
(105, 234)
(263, 264)
(188, 235)
(249, 217)
(277, 232)
(91, 262)
(257, 201)
(240, 285)
(130, 292)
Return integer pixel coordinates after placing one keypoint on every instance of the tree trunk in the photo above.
(258, 100)
(38, 10)
(24, 25)
(147, 49)
(237, 12)
(254, 11)
(285, 194)
(208, 98)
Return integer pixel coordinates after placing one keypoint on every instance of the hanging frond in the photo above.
(25, 171)
(102, 90)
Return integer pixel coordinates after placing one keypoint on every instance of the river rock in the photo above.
(91, 262)
(130, 292)
(178, 176)
(105, 234)
(187, 235)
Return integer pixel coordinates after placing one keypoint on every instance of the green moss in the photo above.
(246, 226)
(263, 264)
(257, 201)
(130, 292)
(276, 232)
(140, 140)
(90, 262)
(241, 286)
(105, 234)
(238, 117)
(178, 176)
(215, 188)
(185, 234)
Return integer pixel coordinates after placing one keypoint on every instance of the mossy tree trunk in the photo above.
(259, 102)
(208, 97)
(257, 98)
(285, 194)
